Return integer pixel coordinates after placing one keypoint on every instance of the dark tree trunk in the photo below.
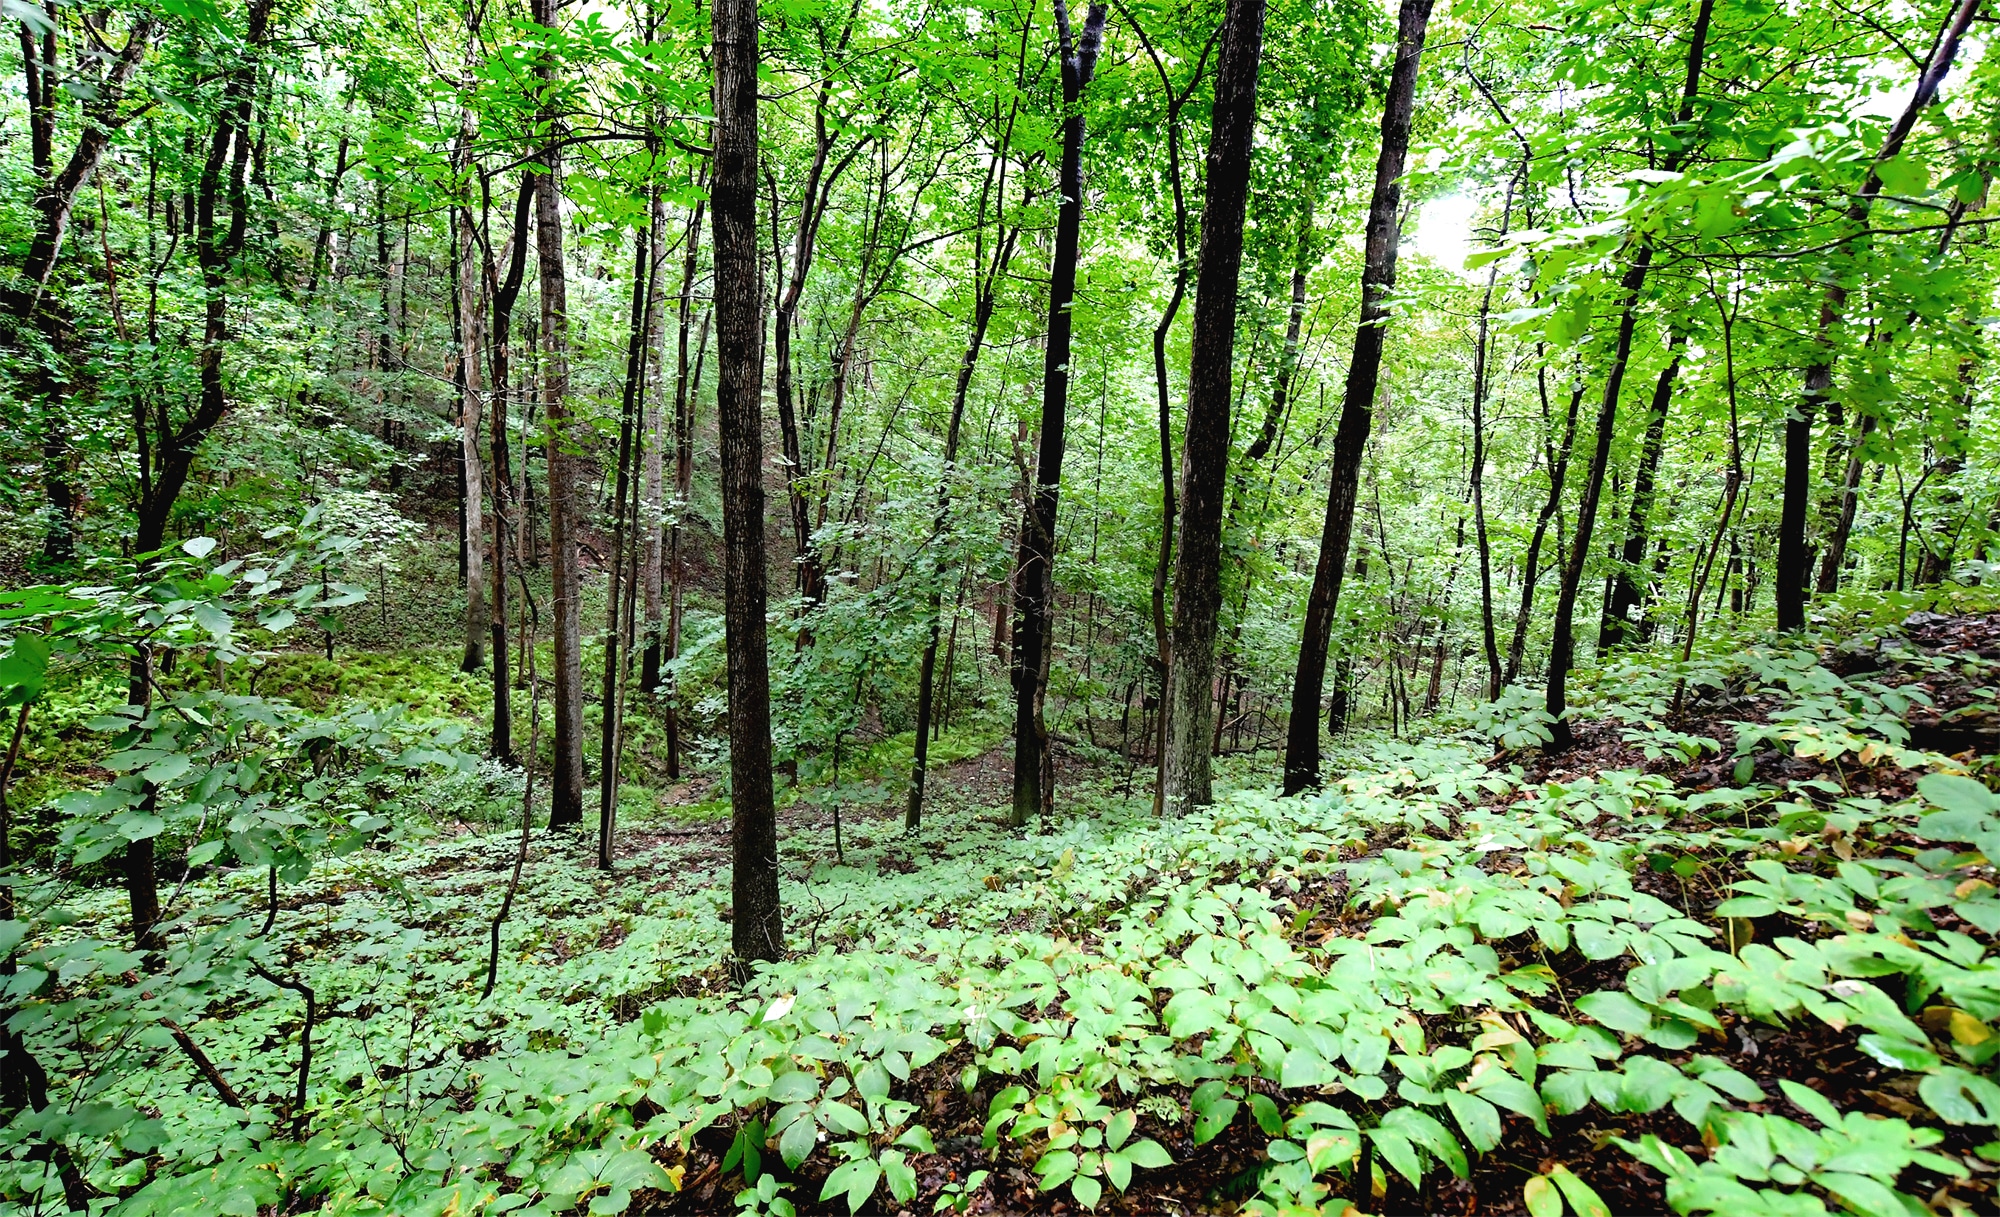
(566, 785)
(757, 928)
(1626, 592)
(985, 296)
(1033, 580)
(631, 410)
(504, 294)
(1558, 458)
(1357, 410)
(1480, 352)
(1562, 645)
(1205, 451)
(1794, 556)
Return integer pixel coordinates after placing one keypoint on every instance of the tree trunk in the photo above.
(656, 427)
(1558, 459)
(472, 321)
(1357, 411)
(504, 293)
(1205, 451)
(1562, 646)
(1480, 352)
(630, 411)
(985, 296)
(566, 786)
(757, 927)
(1794, 558)
(1033, 569)
(1626, 593)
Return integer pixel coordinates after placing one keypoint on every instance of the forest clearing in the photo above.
(1267, 607)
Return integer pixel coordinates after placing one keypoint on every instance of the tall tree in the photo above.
(1562, 646)
(566, 786)
(1357, 409)
(1205, 452)
(1794, 555)
(1034, 565)
(757, 926)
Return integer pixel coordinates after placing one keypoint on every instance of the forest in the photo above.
(686, 607)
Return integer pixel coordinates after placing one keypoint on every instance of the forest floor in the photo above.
(1365, 983)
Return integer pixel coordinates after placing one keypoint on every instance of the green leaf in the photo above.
(1953, 792)
(1148, 1153)
(1265, 1112)
(1904, 175)
(1087, 1191)
(1213, 1119)
(1479, 1118)
(1615, 1010)
(1118, 1129)
(857, 1179)
(796, 1145)
(1747, 906)
(1579, 1194)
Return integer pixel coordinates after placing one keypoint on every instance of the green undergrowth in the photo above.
(1381, 983)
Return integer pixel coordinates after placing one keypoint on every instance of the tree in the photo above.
(1205, 452)
(757, 926)
(1034, 773)
(1357, 410)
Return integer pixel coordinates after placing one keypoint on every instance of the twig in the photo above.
(305, 1041)
(203, 1065)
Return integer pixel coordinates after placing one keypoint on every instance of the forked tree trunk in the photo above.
(1357, 410)
(1205, 453)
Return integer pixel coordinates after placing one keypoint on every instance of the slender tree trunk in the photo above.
(656, 427)
(986, 294)
(757, 927)
(472, 320)
(631, 409)
(1480, 352)
(1357, 411)
(1626, 593)
(55, 197)
(1794, 558)
(506, 516)
(566, 793)
(1205, 452)
(1558, 460)
(1033, 570)
(1562, 646)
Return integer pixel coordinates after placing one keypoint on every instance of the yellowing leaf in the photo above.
(1542, 1198)
(1968, 1030)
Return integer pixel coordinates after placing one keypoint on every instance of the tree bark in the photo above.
(1794, 558)
(504, 294)
(986, 291)
(1562, 646)
(616, 590)
(566, 786)
(757, 927)
(1618, 628)
(1480, 352)
(1205, 450)
(1357, 411)
(472, 322)
(1033, 568)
